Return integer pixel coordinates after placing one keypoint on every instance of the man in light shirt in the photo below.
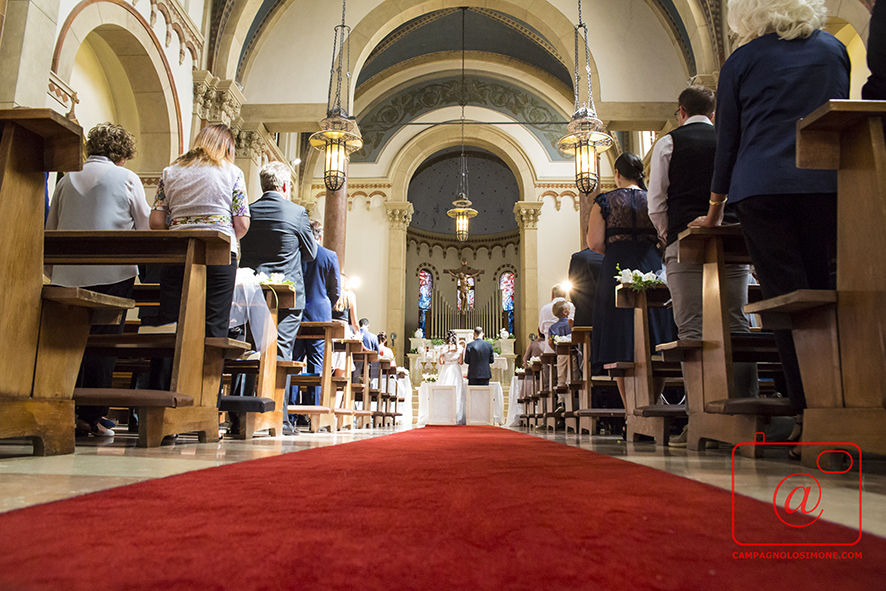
(679, 191)
(546, 317)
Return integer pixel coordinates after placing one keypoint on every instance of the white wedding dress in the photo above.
(450, 374)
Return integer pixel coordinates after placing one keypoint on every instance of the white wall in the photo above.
(558, 238)
(366, 257)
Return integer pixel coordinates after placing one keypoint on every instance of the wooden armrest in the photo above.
(77, 296)
(796, 301)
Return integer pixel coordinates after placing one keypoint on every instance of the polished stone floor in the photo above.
(99, 464)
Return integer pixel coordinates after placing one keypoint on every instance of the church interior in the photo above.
(447, 100)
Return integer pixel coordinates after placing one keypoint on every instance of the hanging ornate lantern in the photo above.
(339, 135)
(587, 137)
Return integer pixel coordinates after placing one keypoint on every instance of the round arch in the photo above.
(142, 57)
(425, 144)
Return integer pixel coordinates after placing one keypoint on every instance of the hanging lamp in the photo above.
(461, 207)
(339, 135)
(587, 137)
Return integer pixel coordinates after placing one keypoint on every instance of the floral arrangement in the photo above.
(637, 280)
(562, 339)
(495, 348)
(429, 377)
(534, 359)
(437, 342)
(275, 278)
(419, 333)
(413, 351)
(504, 333)
(519, 371)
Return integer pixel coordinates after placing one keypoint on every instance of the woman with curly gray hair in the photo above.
(102, 196)
(786, 68)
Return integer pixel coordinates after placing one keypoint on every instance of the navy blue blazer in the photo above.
(279, 240)
(764, 88)
(584, 271)
(322, 287)
(479, 357)
(370, 340)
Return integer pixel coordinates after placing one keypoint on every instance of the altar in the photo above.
(441, 414)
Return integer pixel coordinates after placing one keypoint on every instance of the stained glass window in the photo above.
(470, 294)
(425, 289)
(506, 285)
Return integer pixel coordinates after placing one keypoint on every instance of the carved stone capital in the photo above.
(399, 214)
(249, 144)
(216, 101)
(527, 214)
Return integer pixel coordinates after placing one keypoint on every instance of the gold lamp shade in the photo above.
(462, 212)
(338, 137)
(586, 139)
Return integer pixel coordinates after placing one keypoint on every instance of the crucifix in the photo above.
(462, 274)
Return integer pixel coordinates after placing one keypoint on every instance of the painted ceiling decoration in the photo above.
(386, 118)
(488, 31)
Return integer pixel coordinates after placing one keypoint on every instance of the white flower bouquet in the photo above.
(562, 339)
(429, 377)
(535, 359)
(274, 278)
(637, 280)
(519, 371)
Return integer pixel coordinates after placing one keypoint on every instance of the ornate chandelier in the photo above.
(339, 135)
(461, 207)
(587, 137)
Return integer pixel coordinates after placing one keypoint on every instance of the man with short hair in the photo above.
(322, 290)
(679, 191)
(280, 239)
(370, 341)
(479, 356)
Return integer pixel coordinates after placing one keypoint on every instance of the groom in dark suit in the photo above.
(479, 357)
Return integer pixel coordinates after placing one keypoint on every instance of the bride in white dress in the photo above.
(450, 373)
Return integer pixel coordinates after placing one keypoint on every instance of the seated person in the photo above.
(561, 328)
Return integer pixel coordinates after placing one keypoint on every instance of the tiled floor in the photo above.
(99, 464)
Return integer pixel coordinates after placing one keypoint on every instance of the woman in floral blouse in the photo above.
(203, 189)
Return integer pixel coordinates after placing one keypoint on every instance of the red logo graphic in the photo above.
(801, 500)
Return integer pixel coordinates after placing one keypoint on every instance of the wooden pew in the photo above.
(718, 414)
(587, 414)
(197, 360)
(839, 335)
(321, 415)
(548, 395)
(568, 388)
(44, 327)
(644, 412)
(271, 375)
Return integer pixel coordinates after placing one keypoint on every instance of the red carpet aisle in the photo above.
(437, 508)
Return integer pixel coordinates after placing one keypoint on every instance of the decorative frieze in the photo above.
(63, 94)
(177, 21)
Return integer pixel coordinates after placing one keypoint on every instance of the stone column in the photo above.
(399, 216)
(335, 220)
(527, 213)
(29, 30)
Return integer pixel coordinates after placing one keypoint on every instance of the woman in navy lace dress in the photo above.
(619, 228)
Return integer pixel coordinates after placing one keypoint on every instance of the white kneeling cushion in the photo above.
(478, 406)
(441, 404)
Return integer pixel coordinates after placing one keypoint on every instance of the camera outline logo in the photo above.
(799, 499)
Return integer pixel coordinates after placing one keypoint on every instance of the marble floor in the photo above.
(100, 464)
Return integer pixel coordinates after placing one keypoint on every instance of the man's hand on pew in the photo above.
(714, 217)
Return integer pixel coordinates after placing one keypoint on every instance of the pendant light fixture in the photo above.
(339, 135)
(587, 137)
(461, 207)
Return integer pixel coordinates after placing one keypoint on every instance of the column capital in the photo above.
(215, 100)
(399, 214)
(527, 214)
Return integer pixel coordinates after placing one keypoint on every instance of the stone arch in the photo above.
(142, 57)
(425, 144)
